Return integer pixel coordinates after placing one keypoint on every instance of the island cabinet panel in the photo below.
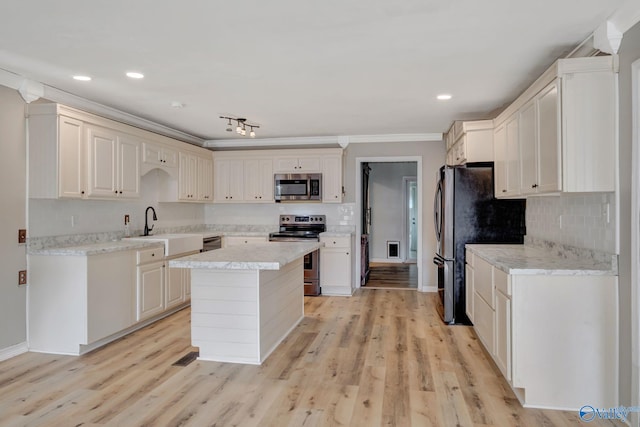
(77, 301)
(242, 315)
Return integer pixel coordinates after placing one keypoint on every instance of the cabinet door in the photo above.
(549, 177)
(503, 334)
(186, 272)
(513, 156)
(152, 154)
(174, 291)
(103, 147)
(500, 156)
(527, 140)
(71, 158)
(229, 180)
(286, 164)
(110, 285)
(128, 167)
(335, 267)
(150, 292)
(187, 177)
(332, 179)
(468, 291)
(309, 164)
(205, 179)
(258, 180)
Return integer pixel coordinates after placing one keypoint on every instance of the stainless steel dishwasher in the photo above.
(211, 243)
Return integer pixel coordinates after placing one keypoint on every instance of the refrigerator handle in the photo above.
(437, 211)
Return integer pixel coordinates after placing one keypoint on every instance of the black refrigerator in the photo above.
(466, 211)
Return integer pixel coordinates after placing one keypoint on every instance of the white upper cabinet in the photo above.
(297, 164)
(500, 160)
(567, 130)
(205, 179)
(158, 155)
(228, 180)
(114, 164)
(258, 180)
(470, 141)
(71, 158)
(195, 178)
(332, 179)
(512, 155)
(527, 136)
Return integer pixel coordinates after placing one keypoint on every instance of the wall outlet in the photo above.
(22, 277)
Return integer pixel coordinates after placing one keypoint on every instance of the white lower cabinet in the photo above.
(553, 337)
(242, 240)
(150, 290)
(335, 265)
(75, 302)
(469, 289)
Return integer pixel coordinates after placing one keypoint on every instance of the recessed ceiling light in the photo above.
(444, 97)
(82, 78)
(177, 104)
(135, 75)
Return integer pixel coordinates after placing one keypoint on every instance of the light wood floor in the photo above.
(381, 357)
(392, 276)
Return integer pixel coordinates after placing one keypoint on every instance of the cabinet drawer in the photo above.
(469, 258)
(150, 255)
(502, 282)
(336, 242)
(483, 322)
(483, 280)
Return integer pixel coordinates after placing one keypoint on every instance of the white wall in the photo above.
(629, 368)
(13, 316)
(53, 217)
(386, 192)
(338, 215)
(574, 219)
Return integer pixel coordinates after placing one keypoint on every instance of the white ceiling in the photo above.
(323, 68)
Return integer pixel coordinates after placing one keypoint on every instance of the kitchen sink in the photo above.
(175, 243)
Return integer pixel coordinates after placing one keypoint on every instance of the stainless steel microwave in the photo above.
(297, 187)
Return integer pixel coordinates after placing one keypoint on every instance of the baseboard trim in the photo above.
(429, 289)
(13, 351)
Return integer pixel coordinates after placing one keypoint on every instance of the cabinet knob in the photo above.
(116, 191)
(347, 253)
(82, 192)
(120, 192)
(534, 186)
(504, 191)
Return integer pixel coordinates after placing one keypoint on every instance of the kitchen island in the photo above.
(245, 299)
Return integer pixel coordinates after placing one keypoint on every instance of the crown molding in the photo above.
(31, 90)
(342, 141)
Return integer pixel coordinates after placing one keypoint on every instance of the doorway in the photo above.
(385, 226)
(410, 186)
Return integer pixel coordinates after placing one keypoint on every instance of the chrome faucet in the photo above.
(146, 224)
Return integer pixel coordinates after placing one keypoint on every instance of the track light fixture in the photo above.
(241, 126)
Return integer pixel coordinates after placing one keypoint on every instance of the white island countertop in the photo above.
(530, 260)
(263, 256)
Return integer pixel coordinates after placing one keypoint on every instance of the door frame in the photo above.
(358, 209)
(405, 215)
(635, 234)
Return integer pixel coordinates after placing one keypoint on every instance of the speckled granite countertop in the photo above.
(532, 260)
(97, 248)
(335, 234)
(262, 256)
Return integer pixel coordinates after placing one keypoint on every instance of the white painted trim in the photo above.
(271, 142)
(387, 260)
(341, 140)
(405, 218)
(13, 351)
(400, 137)
(53, 94)
(635, 238)
(429, 289)
(626, 16)
(358, 209)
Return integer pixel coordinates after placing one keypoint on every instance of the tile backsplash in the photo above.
(581, 220)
